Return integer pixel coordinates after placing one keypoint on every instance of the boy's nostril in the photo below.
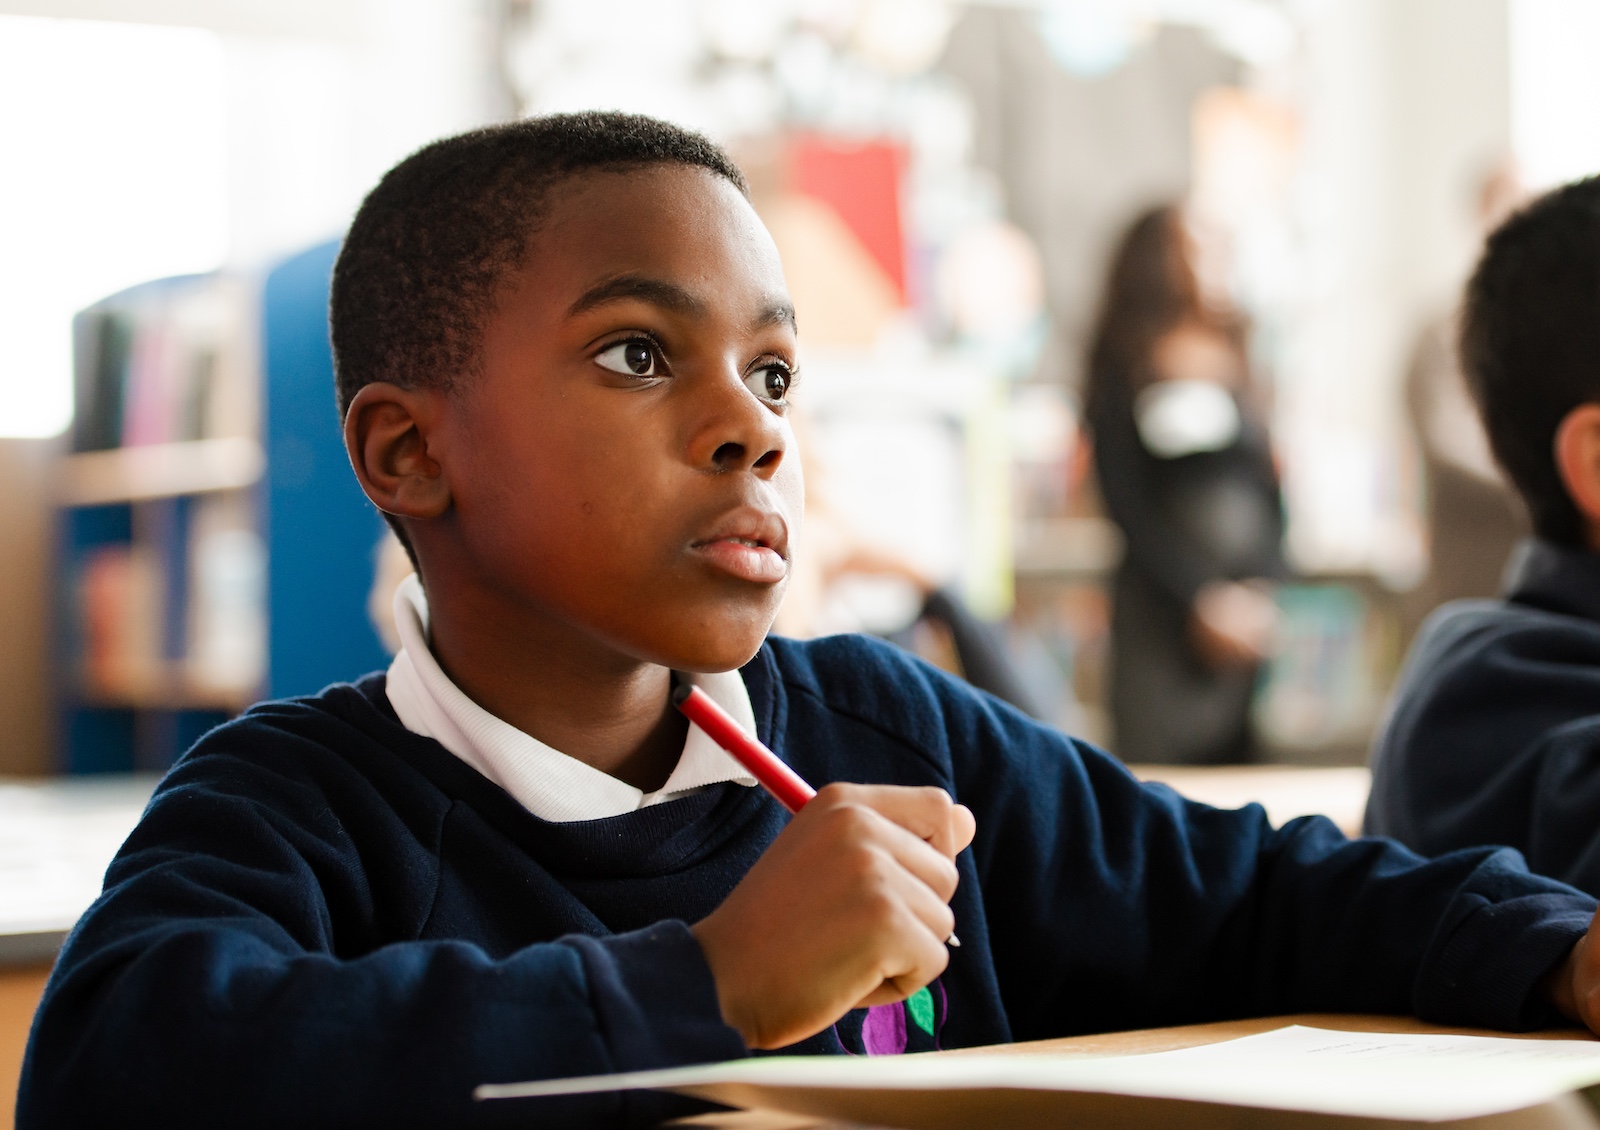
(770, 459)
(728, 453)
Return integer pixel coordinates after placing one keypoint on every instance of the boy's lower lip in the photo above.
(747, 562)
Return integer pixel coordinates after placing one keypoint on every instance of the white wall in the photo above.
(1406, 104)
(1555, 88)
(316, 121)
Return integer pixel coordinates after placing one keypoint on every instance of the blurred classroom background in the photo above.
(948, 184)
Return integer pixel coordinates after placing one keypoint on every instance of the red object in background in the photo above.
(861, 182)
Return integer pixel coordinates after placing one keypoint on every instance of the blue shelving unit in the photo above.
(318, 532)
(322, 534)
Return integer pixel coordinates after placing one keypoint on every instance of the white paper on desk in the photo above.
(1366, 1074)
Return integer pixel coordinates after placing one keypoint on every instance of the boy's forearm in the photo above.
(1253, 918)
(207, 1026)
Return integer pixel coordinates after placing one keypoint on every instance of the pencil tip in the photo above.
(952, 940)
(681, 692)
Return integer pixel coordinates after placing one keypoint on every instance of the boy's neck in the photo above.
(558, 685)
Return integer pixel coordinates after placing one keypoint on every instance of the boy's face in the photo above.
(622, 467)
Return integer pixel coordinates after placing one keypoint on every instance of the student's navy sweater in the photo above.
(1494, 735)
(326, 920)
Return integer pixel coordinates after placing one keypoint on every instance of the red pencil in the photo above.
(787, 786)
(777, 778)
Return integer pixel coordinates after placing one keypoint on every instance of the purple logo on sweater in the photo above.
(911, 1025)
(883, 1032)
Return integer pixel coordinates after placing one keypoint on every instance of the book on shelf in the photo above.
(167, 362)
(225, 622)
(175, 617)
(102, 340)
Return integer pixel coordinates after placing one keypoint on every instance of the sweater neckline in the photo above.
(654, 840)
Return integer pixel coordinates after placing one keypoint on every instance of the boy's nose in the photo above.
(742, 434)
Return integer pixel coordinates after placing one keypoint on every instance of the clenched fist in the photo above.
(848, 907)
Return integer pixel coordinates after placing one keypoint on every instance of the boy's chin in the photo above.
(727, 653)
(711, 664)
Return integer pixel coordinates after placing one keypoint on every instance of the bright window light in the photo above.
(1555, 89)
(116, 172)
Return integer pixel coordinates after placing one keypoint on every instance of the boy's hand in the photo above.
(1574, 984)
(847, 907)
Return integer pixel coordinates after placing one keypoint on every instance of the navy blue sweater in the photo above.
(1494, 735)
(325, 920)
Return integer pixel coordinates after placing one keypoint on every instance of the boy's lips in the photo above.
(748, 543)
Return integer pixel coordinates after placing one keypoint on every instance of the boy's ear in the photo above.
(386, 431)
(1578, 461)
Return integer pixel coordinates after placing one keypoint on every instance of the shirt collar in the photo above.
(545, 781)
(1554, 577)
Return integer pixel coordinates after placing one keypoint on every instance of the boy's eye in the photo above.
(631, 358)
(770, 382)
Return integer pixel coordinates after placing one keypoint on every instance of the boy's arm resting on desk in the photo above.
(1113, 904)
(210, 985)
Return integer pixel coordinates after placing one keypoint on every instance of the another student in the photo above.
(564, 355)
(1494, 735)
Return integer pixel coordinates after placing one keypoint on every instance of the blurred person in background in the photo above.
(1186, 471)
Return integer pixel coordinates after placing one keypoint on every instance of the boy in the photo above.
(1494, 736)
(564, 354)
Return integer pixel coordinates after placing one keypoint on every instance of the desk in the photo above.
(56, 838)
(1567, 1114)
(20, 989)
(1285, 791)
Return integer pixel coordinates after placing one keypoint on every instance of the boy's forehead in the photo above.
(681, 224)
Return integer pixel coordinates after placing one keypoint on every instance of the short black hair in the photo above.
(1530, 343)
(418, 271)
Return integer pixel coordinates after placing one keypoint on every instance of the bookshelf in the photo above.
(165, 470)
(214, 548)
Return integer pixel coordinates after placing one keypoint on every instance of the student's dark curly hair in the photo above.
(1530, 343)
(418, 271)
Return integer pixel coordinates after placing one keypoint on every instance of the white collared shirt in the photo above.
(547, 782)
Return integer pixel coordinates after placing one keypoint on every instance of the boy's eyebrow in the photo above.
(669, 296)
(657, 292)
(778, 314)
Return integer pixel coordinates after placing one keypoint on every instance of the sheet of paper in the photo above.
(1412, 1077)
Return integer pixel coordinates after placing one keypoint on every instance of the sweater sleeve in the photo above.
(1494, 736)
(1115, 904)
(210, 986)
